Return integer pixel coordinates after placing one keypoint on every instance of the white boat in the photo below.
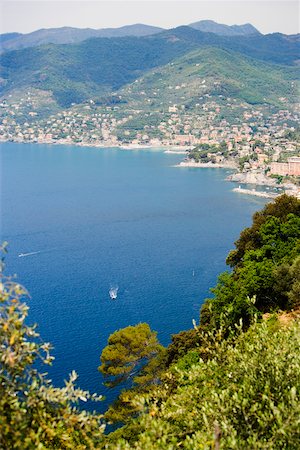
(113, 293)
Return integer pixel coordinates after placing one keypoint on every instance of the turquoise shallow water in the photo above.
(96, 218)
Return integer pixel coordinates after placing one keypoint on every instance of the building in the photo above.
(291, 167)
(294, 166)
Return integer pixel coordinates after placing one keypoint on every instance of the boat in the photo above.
(113, 293)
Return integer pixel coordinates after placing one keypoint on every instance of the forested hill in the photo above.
(77, 72)
(275, 47)
(213, 71)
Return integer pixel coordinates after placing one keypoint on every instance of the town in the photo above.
(261, 142)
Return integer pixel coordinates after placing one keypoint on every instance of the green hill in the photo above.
(214, 72)
(77, 72)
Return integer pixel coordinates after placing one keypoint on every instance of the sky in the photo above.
(267, 15)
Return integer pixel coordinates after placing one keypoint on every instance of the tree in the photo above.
(265, 268)
(247, 389)
(133, 355)
(249, 239)
(129, 350)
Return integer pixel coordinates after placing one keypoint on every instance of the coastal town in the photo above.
(261, 143)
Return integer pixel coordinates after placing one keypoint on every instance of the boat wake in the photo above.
(22, 255)
(113, 292)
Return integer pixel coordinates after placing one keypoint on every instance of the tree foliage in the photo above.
(265, 264)
(245, 396)
(127, 352)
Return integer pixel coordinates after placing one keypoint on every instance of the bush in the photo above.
(246, 396)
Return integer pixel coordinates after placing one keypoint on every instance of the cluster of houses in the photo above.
(250, 130)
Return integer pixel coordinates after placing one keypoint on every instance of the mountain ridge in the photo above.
(96, 67)
(211, 26)
(68, 35)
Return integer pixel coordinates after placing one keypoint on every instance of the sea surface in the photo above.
(88, 219)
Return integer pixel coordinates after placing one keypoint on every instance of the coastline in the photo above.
(171, 149)
(208, 165)
(256, 193)
(257, 179)
(252, 178)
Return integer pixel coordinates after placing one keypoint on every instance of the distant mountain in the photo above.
(210, 26)
(276, 47)
(68, 35)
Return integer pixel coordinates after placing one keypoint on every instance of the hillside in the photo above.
(276, 47)
(212, 71)
(74, 73)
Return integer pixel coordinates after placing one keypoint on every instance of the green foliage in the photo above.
(182, 343)
(265, 268)
(76, 72)
(249, 237)
(293, 135)
(245, 396)
(127, 352)
(201, 152)
(33, 413)
(133, 355)
(293, 291)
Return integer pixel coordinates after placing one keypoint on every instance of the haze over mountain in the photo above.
(68, 35)
(211, 26)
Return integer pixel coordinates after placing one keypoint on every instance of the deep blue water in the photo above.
(102, 217)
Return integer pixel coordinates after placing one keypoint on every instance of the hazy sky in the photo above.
(267, 15)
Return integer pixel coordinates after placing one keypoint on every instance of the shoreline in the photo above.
(206, 165)
(256, 179)
(256, 193)
(171, 149)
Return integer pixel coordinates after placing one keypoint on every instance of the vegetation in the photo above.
(236, 67)
(128, 350)
(293, 135)
(264, 276)
(205, 153)
(134, 358)
(245, 395)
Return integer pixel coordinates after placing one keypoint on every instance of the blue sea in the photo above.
(89, 219)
